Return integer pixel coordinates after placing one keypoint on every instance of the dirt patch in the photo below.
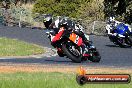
(12, 68)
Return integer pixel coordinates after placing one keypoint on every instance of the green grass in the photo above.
(48, 80)
(13, 47)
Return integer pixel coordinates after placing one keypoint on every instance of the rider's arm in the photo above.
(117, 22)
(56, 23)
(108, 28)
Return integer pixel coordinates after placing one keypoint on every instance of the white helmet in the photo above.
(112, 19)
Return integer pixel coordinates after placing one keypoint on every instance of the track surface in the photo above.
(112, 56)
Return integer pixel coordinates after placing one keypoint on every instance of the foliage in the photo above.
(128, 15)
(88, 10)
(84, 9)
(57, 7)
(120, 8)
(92, 10)
(7, 3)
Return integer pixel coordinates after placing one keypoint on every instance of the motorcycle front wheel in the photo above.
(73, 52)
(129, 40)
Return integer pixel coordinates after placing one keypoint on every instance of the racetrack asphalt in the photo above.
(112, 56)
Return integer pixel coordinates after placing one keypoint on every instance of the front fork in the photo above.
(85, 50)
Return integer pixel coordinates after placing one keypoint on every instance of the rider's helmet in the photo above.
(47, 20)
(67, 23)
(112, 21)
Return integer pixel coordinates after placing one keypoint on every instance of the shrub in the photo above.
(57, 7)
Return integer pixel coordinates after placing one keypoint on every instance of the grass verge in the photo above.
(13, 47)
(48, 80)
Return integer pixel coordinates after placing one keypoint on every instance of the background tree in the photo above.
(57, 7)
(17, 1)
(92, 10)
(120, 8)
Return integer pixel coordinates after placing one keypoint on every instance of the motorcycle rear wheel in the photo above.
(118, 41)
(95, 57)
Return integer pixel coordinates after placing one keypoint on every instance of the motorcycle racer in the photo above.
(55, 24)
(111, 26)
(119, 33)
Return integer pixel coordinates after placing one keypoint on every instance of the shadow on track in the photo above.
(112, 46)
(46, 61)
(118, 46)
(43, 60)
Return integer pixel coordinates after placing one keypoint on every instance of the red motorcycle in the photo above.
(71, 45)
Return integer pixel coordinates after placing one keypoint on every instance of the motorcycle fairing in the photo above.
(121, 29)
(76, 39)
(58, 35)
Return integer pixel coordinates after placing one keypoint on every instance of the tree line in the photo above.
(85, 9)
(6, 3)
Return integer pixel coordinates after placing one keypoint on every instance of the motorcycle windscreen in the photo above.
(121, 29)
(76, 39)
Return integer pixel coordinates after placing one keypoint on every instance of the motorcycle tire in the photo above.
(95, 57)
(118, 42)
(60, 54)
(113, 40)
(70, 55)
(129, 40)
(121, 45)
